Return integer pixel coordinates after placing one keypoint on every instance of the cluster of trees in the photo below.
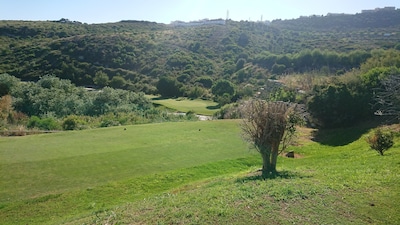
(338, 101)
(59, 97)
(327, 62)
(54, 103)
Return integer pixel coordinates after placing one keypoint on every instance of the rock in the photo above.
(290, 154)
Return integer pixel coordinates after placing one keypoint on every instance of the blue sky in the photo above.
(165, 11)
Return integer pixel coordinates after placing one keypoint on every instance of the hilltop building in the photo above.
(387, 8)
(198, 23)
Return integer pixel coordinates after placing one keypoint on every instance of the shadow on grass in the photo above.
(212, 107)
(338, 137)
(163, 98)
(278, 175)
(344, 136)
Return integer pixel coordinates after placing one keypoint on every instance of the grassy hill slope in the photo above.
(338, 183)
(193, 172)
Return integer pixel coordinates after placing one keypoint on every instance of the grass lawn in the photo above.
(337, 180)
(199, 106)
(36, 167)
(191, 173)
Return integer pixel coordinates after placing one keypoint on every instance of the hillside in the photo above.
(166, 173)
(139, 52)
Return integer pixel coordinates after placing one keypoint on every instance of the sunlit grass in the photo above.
(199, 106)
(344, 184)
(194, 172)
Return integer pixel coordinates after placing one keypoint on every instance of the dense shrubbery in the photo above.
(60, 98)
(54, 104)
(306, 60)
(44, 123)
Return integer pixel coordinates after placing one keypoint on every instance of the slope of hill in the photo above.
(140, 52)
(167, 173)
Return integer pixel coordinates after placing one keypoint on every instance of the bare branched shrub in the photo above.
(270, 128)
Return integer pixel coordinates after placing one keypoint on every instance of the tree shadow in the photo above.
(338, 137)
(344, 136)
(163, 98)
(277, 175)
(211, 107)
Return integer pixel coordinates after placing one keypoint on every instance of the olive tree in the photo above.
(270, 128)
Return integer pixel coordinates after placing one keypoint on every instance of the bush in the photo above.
(339, 105)
(34, 121)
(230, 111)
(43, 124)
(73, 122)
(380, 141)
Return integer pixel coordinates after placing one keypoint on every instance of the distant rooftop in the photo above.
(387, 8)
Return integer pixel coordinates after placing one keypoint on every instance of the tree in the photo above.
(222, 87)
(270, 128)
(240, 63)
(243, 40)
(206, 81)
(278, 69)
(7, 83)
(339, 104)
(117, 82)
(388, 97)
(380, 141)
(5, 109)
(101, 79)
(223, 92)
(169, 87)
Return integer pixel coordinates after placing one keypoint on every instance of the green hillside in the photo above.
(137, 53)
(194, 172)
(114, 155)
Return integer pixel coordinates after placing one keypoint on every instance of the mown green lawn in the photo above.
(337, 180)
(193, 173)
(35, 167)
(199, 106)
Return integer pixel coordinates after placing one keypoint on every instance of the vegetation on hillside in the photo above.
(136, 54)
(53, 104)
(344, 69)
(316, 61)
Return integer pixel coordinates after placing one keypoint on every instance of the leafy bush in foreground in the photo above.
(380, 141)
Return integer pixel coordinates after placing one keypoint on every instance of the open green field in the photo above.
(193, 173)
(199, 106)
(41, 167)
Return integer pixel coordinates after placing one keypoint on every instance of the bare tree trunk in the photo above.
(266, 156)
(274, 157)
